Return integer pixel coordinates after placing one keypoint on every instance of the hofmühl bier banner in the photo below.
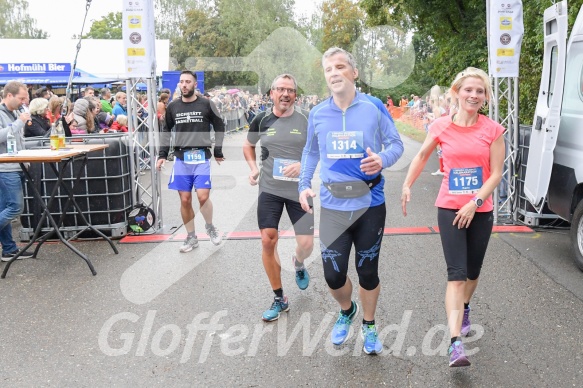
(505, 30)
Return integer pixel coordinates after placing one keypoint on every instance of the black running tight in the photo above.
(464, 249)
(338, 231)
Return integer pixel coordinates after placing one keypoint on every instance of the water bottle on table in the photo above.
(11, 142)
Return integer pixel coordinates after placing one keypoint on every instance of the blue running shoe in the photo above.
(372, 344)
(457, 355)
(278, 305)
(342, 326)
(302, 276)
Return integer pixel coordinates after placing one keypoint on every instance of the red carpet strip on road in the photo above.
(503, 229)
(256, 235)
(512, 229)
(145, 238)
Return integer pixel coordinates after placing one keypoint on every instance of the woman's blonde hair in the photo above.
(475, 73)
(122, 120)
(55, 104)
(38, 106)
(435, 94)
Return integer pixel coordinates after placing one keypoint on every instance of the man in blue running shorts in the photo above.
(191, 117)
(354, 138)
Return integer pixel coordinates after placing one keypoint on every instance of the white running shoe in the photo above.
(190, 243)
(214, 234)
(438, 172)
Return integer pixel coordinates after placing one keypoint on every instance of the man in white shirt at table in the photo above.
(11, 176)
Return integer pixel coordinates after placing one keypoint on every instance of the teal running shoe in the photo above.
(372, 344)
(278, 305)
(302, 276)
(341, 328)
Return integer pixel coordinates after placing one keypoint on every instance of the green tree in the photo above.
(286, 50)
(342, 22)
(218, 32)
(312, 28)
(385, 57)
(451, 35)
(170, 14)
(108, 27)
(16, 23)
(531, 58)
(457, 29)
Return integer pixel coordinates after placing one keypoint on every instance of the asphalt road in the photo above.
(153, 316)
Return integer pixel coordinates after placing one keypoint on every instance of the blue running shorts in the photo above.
(186, 176)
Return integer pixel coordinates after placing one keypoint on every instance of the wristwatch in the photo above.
(479, 202)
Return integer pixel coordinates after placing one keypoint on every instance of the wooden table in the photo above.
(58, 160)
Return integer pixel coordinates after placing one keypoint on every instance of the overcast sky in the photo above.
(64, 18)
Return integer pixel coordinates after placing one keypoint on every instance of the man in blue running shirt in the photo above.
(354, 140)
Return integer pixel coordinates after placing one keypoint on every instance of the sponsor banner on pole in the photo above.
(139, 38)
(505, 31)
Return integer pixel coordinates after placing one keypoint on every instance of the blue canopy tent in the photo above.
(85, 78)
(57, 80)
(88, 80)
(140, 86)
(35, 79)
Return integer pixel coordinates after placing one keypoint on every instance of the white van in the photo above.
(555, 160)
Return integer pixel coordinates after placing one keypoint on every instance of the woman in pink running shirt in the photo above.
(473, 157)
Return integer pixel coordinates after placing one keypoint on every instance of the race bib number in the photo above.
(194, 157)
(279, 165)
(344, 145)
(465, 180)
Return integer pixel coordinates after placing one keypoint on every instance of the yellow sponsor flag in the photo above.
(136, 52)
(504, 52)
(505, 23)
(134, 21)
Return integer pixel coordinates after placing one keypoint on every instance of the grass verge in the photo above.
(410, 131)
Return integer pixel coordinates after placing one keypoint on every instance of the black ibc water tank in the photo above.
(103, 193)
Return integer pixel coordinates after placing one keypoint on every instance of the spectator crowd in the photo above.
(421, 111)
(105, 111)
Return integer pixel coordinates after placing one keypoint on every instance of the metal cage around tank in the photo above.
(104, 194)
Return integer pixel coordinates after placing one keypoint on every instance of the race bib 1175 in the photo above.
(465, 180)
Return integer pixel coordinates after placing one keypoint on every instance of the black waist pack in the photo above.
(352, 189)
